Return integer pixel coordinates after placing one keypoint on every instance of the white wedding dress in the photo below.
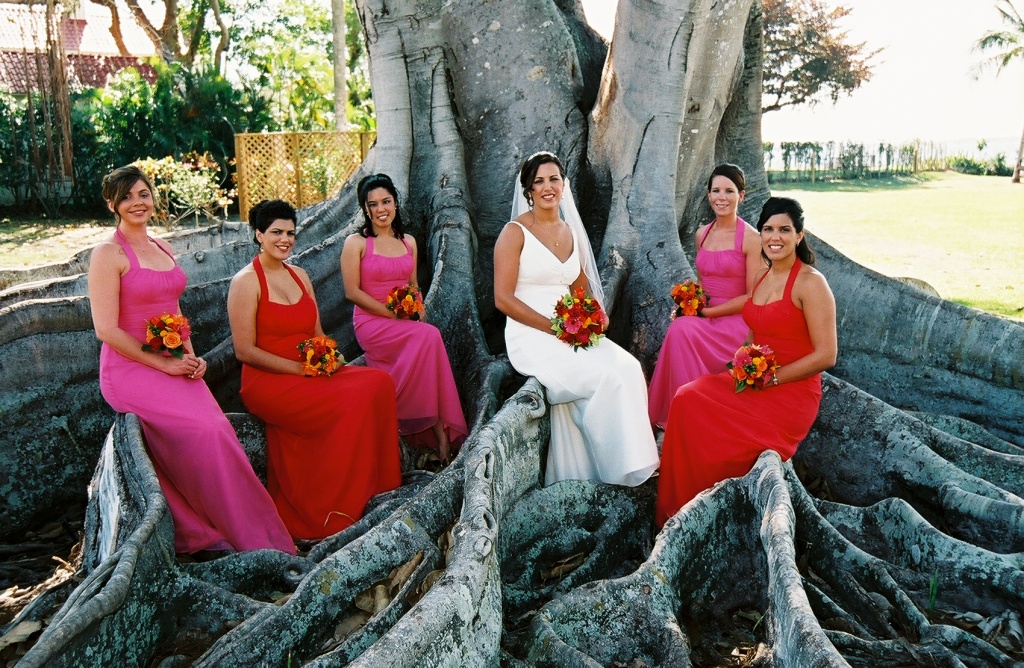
(599, 424)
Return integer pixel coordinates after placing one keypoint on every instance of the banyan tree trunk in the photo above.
(893, 538)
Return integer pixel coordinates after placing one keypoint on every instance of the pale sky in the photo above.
(924, 84)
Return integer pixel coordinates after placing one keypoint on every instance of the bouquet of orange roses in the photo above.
(753, 366)
(406, 302)
(166, 333)
(320, 356)
(579, 320)
(689, 297)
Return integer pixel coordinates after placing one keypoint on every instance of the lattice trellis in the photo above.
(302, 168)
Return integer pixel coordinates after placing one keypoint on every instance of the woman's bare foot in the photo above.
(444, 446)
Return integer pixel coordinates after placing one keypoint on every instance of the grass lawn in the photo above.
(30, 241)
(961, 234)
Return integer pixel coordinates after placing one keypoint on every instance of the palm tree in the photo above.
(1009, 45)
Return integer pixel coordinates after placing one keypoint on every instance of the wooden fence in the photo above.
(302, 168)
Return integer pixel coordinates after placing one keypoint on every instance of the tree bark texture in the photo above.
(893, 538)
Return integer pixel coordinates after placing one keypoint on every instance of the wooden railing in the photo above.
(301, 168)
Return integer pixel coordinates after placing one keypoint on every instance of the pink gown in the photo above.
(696, 346)
(215, 498)
(411, 351)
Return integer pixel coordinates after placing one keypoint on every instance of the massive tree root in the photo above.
(894, 538)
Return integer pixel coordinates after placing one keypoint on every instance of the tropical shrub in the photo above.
(966, 164)
(189, 187)
(997, 166)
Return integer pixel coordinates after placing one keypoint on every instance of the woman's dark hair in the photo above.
(791, 208)
(117, 185)
(731, 172)
(372, 182)
(266, 212)
(529, 171)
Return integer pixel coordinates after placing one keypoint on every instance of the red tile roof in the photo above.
(92, 55)
(84, 71)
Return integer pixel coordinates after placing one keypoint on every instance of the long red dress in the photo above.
(332, 442)
(714, 433)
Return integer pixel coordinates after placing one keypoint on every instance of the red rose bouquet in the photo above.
(579, 320)
(406, 302)
(753, 366)
(320, 356)
(166, 333)
(689, 297)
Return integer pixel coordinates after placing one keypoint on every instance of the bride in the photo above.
(598, 396)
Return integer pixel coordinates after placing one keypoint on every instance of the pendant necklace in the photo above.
(535, 222)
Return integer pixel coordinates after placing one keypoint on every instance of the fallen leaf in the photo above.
(19, 633)
(403, 572)
(350, 625)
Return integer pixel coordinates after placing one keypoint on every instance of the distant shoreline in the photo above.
(969, 147)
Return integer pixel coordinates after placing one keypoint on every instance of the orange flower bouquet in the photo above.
(406, 302)
(320, 356)
(753, 366)
(166, 333)
(689, 297)
(579, 320)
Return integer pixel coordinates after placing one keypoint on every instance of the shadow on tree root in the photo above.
(754, 572)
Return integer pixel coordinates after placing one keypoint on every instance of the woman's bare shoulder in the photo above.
(355, 240)
(108, 252)
(811, 280)
(163, 244)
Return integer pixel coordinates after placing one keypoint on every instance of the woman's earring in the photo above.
(529, 199)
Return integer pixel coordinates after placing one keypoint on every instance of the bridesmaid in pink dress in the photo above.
(728, 258)
(215, 498)
(375, 260)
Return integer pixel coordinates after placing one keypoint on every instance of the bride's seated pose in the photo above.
(598, 395)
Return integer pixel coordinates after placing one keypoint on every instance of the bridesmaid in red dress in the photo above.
(714, 432)
(332, 441)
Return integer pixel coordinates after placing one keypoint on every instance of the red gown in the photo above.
(332, 442)
(714, 433)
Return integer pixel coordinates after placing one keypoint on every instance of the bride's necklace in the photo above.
(550, 238)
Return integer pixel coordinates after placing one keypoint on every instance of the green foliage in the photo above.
(813, 161)
(966, 165)
(284, 49)
(181, 111)
(807, 57)
(279, 57)
(997, 166)
(189, 187)
(13, 163)
(17, 171)
(361, 111)
(1008, 44)
(768, 153)
(933, 591)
